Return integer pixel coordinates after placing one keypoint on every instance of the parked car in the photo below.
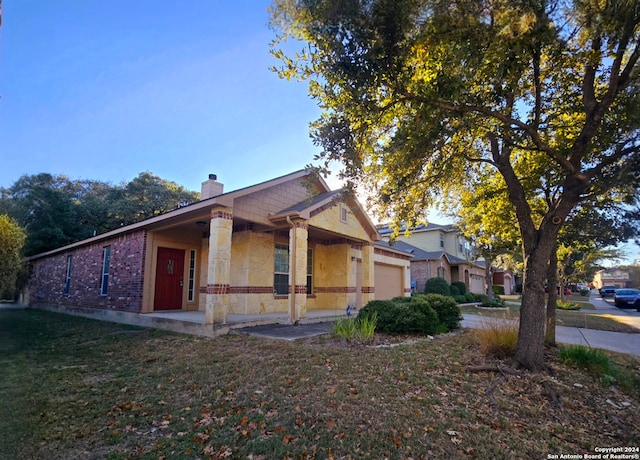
(627, 298)
(608, 290)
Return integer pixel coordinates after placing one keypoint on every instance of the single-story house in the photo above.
(288, 245)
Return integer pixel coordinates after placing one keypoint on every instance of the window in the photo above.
(281, 270)
(192, 276)
(106, 262)
(441, 273)
(442, 240)
(343, 213)
(67, 282)
(309, 272)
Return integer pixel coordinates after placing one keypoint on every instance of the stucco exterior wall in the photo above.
(257, 206)
(330, 219)
(126, 273)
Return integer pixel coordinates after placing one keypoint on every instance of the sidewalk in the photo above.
(613, 341)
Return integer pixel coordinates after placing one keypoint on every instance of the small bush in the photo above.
(437, 286)
(461, 287)
(447, 310)
(461, 299)
(497, 338)
(498, 289)
(482, 298)
(560, 305)
(384, 310)
(470, 297)
(402, 315)
(493, 304)
(453, 291)
(585, 292)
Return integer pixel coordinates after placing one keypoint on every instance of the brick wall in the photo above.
(126, 275)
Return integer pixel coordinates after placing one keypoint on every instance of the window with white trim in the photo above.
(281, 270)
(106, 263)
(442, 273)
(343, 213)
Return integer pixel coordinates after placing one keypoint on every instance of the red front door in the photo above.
(169, 279)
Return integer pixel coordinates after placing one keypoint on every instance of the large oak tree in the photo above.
(417, 94)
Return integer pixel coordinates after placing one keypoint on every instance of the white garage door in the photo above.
(389, 282)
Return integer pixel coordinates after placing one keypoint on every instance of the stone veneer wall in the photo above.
(126, 275)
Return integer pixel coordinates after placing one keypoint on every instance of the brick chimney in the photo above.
(211, 188)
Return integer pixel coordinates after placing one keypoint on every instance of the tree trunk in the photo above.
(531, 333)
(488, 276)
(552, 298)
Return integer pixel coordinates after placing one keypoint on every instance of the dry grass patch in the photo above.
(77, 388)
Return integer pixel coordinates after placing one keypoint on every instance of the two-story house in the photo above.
(438, 251)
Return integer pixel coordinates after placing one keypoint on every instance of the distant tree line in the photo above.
(54, 210)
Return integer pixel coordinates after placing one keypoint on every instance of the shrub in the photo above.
(461, 287)
(498, 289)
(461, 299)
(402, 315)
(384, 310)
(470, 297)
(453, 291)
(560, 305)
(447, 310)
(497, 338)
(584, 292)
(437, 286)
(482, 298)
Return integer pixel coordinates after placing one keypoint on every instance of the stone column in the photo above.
(368, 274)
(298, 244)
(219, 266)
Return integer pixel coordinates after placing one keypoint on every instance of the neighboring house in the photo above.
(611, 277)
(286, 245)
(506, 279)
(438, 251)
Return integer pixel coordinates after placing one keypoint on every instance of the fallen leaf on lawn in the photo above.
(287, 439)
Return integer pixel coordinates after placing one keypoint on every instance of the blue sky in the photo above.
(107, 89)
(98, 89)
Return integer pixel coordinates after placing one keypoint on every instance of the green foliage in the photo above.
(12, 239)
(454, 291)
(497, 338)
(437, 286)
(402, 315)
(56, 211)
(460, 298)
(585, 292)
(422, 101)
(361, 329)
(498, 289)
(462, 288)
(567, 305)
(446, 308)
(594, 360)
(470, 297)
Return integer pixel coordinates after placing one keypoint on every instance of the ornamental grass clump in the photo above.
(497, 338)
(359, 329)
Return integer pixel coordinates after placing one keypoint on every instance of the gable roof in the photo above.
(422, 255)
(225, 199)
(307, 208)
(388, 229)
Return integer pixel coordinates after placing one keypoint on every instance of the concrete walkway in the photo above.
(613, 341)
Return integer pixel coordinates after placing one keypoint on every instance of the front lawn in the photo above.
(77, 388)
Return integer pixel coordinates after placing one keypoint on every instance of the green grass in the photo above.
(77, 388)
